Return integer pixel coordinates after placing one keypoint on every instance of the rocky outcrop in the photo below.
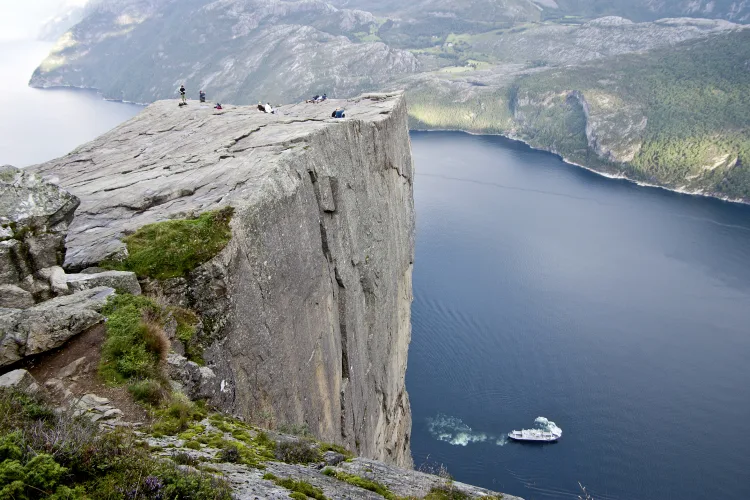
(307, 309)
(122, 281)
(46, 326)
(34, 219)
(20, 380)
(350, 479)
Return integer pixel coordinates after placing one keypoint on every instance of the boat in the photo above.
(547, 432)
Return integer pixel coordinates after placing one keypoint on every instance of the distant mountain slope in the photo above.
(663, 102)
(524, 10)
(675, 116)
(645, 10)
(244, 50)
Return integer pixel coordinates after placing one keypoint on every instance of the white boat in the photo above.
(547, 432)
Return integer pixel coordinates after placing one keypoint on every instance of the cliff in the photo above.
(307, 309)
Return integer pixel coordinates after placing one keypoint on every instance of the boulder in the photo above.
(73, 369)
(20, 380)
(197, 382)
(122, 281)
(50, 324)
(96, 408)
(57, 280)
(34, 219)
(15, 297)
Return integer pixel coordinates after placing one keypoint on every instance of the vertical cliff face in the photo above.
(308, 307)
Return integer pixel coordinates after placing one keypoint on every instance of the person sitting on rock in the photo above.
(218, 106)
(182, 94)
(338, 113)
(261, 107)
(201, 96)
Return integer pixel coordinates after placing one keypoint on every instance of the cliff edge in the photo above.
(306, 311)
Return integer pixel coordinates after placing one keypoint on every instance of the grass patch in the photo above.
(361, 482)
(300, 487)
(173, 248)
(49, 455)
(187, 323)
(298, 452)
(136, 344)
(336, 448)
(147, 391)
(301, 430)
(177, 415)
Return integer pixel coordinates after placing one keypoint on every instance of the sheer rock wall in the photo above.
(307, 310)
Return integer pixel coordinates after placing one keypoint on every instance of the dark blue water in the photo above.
(621, 313)
(39, 125)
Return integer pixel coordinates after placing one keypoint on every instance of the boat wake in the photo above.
(455, 431)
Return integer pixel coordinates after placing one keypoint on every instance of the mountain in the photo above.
(242, 50)
(676, 116)
(610, 93)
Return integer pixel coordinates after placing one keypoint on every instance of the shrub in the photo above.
(187, 322)
(262, 439)
(173, 248)
(192, 445)
(298, 452)
(177, 415)
(147, 391)
(135, 343)
(301, 430)
(60, 456)
(297, 495)
(337, 449)
(302, 487)
(230, 454)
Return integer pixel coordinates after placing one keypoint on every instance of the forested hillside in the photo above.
(696, 102)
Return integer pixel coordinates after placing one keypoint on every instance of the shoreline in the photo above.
(597, 172)
(509, 137)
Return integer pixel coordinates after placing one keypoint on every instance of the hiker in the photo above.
(338, 113)
(269, 108)
(261, 107)
(182, 94)
(218, 106)
(323, 98)
(201, 96)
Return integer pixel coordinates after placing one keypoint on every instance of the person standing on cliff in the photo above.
(182, 94)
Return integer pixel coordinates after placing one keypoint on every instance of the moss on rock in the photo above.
(171, 249)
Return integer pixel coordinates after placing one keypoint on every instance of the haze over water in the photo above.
(39, 125)
(619, 312)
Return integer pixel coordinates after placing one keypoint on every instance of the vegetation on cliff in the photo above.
(48, 454)
(173, 248)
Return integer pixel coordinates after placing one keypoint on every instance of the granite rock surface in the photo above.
(46, 326)
(309, 303)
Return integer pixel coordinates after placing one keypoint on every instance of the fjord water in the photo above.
(621, 313)
(39, 125)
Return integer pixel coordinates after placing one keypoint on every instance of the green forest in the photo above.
(695, 97)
